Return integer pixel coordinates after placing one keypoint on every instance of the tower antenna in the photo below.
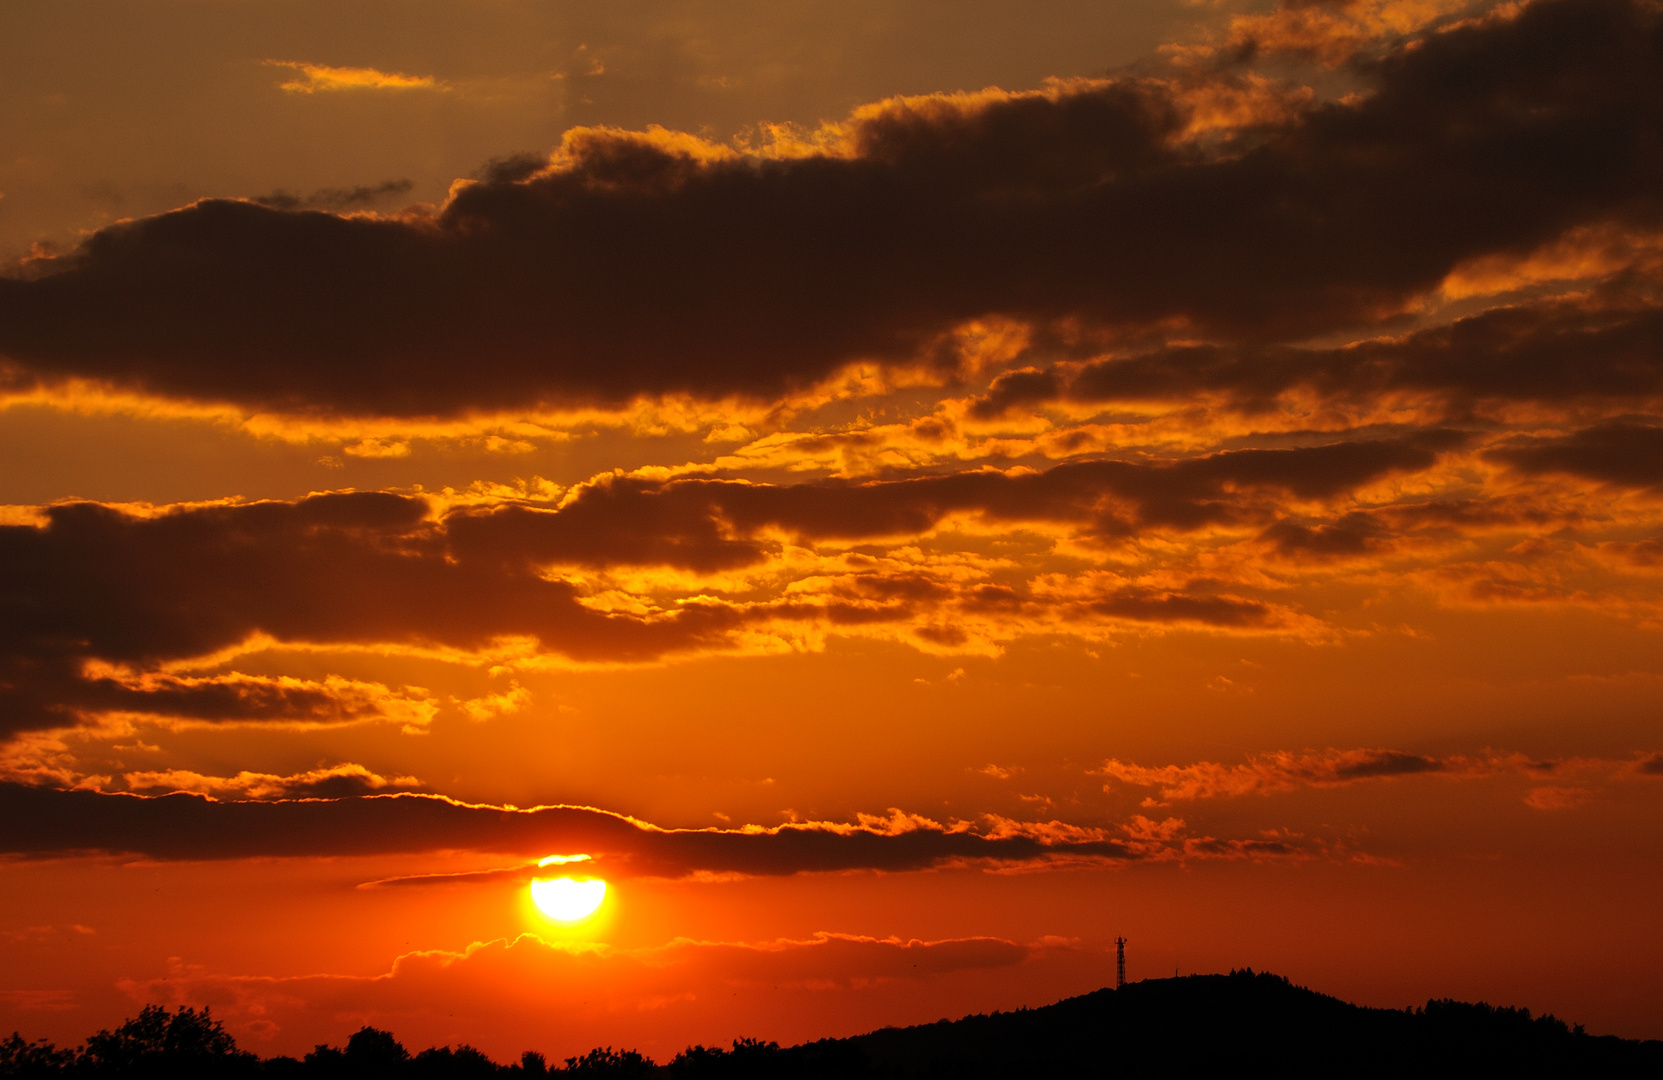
(1119, 962)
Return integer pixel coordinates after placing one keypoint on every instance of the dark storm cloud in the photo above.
(1628, 453)
(636, 268)
(50, 821)
(1548, 351)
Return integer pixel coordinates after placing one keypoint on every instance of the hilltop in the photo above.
(1220, 1025)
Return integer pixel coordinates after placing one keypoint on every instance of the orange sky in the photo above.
(913, 492)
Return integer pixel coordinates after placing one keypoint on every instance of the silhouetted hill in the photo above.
(1224, 1025)
(1197, 1026)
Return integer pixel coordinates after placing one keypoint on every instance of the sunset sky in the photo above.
(912, 490)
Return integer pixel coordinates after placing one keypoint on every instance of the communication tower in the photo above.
(1119, 962)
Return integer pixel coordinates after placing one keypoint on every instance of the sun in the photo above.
(567, 899)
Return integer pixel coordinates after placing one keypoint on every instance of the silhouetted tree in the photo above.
(325, 1062)
(284, 1068)
(443, 1063)
(697, 1062)
(603, 1062)
(750, 1059)
(185, 1044)
(36, 1060)
(374, 1054)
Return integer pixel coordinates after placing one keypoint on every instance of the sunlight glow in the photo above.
(566, 899)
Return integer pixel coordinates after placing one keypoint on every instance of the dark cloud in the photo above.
(352, 198)
(1357, 533)
(98, 584)
(332, 567)
(1652, 766)
(44, 683)
(1385, 529)
(1647, 553)
(1368, 764)
(1283, 771)
(512, 168)
(613, 521)
(134, 592)
(705, 525)
(1626, 452)
(637, 268)
(1168, 607)
(338, 785)
(1549, 351)
(1471, 513)
(1025, 387)
(49, 821)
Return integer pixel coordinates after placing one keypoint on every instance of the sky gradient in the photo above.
(913, 491)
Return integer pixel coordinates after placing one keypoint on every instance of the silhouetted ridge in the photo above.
(1199, 1025)
(1223, 1025)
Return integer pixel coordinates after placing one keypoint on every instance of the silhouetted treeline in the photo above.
(1200, 1025)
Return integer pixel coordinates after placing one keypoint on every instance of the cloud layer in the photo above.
(651, 264)
(1283, 772)
(43, 821)
(1203, 341)
(100, 601)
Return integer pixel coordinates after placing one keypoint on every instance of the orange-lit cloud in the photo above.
(312, 78)
(1582, 253)
(1334, 33)
(334, 782)
(107, 598)
(946, 211)
(1269, 774)
(638, 567)
(1557, 350)
(190, 826)
(1625, 453)
(312, 818)
(1283, 772)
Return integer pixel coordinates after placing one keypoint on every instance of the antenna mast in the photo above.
(1119, 962)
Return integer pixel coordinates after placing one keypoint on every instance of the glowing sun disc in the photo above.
(565, 899)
